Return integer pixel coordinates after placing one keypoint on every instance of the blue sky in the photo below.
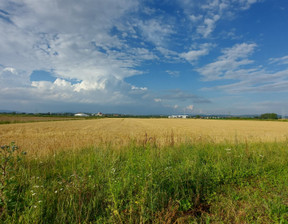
(144, 57)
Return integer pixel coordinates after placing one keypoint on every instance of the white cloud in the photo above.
(173, 73)
(169, 54)
(9, 69)
(69, 16)
(195, 19)
(11, 77)
(282, 60)
(230, 61)
(182, 96)
(257, 81)
(239, 51)
(101, 43)
(139, 88)
(196, 52)
(246, 4)
(208, 26)
(205, 14)
(156, 31)
(104, 91)
(193, 55)
(190, 108)
(143, 54)
(234, 64)
(73, 40)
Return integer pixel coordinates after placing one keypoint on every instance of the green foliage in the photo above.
(10, 164)
(271, 116)
(189, 183)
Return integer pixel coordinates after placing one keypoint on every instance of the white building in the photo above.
(178, 116)
(81, 115)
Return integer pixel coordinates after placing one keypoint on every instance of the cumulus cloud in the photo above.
(104, 91)
(74, 41)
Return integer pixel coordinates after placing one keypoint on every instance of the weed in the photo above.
(10, 163)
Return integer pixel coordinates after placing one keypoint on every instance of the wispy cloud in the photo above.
(182, 96)
(194, 54)
(204, 15)
(156, 31)
(173, 73)
(208, 25)
(231, 60)
(282, 60)
(234, 64)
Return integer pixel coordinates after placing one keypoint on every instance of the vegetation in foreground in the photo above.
(200, 183)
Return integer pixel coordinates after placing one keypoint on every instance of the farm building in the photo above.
(81, 115)
(178, 116)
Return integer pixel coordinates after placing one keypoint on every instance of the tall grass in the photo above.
(200, 183)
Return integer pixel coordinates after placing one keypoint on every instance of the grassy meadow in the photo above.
(144, 171)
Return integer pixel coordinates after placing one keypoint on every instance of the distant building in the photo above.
(178, 116)
(81, 115)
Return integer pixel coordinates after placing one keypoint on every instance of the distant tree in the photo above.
(269, 116)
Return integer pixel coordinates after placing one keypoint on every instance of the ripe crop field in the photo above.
(144, 171)
(44, 137)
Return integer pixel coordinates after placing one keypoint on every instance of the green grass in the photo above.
(201, 183)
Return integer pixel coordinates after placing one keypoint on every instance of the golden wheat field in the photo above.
(49, 137)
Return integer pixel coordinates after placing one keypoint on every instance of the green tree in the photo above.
(269, 116)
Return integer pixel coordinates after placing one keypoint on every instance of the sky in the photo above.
(144, 56)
